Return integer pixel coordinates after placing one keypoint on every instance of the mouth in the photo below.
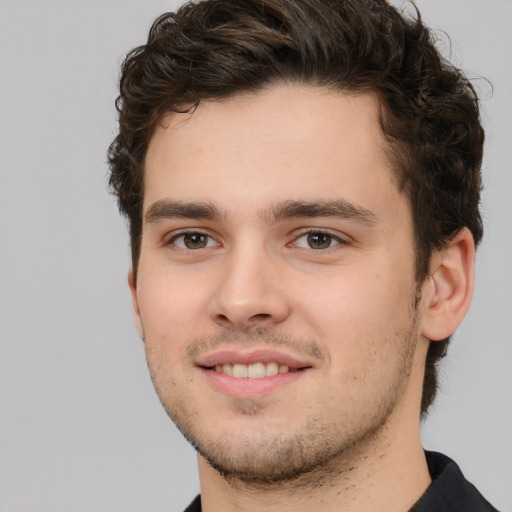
(253, 371)
(251, 374)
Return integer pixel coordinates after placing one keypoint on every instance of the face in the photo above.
(275, 288)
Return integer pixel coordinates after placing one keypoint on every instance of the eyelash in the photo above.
(314, 231)
(192, 232)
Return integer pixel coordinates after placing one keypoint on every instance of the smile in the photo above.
(253, 371)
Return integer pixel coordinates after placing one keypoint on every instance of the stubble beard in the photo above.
(309, 456)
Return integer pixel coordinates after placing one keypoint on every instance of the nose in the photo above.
(250, 292)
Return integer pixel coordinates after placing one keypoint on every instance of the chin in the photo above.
(264, 462)
(312, 451)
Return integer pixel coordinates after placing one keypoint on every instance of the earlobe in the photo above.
(135, 304)
(450, 287)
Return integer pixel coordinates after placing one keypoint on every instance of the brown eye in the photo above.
(319, 240)
(193, 241)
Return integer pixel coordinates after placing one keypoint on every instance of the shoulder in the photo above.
(449, 490)
(195, 506)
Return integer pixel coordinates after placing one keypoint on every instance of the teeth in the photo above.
(256, 371)
(253, 371)
(239, 371)
(272, 369)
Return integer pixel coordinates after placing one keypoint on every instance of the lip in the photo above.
(251, 387)
(252, 357)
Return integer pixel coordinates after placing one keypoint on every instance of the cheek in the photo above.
(168, 300)
(168, 311)
(361, 317)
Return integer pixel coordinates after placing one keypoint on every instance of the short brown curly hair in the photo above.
(213, 49)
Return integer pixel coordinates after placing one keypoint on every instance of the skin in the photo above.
(344, 434)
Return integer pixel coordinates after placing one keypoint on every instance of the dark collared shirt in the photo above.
(448, 492)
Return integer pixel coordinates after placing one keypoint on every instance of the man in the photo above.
(302, 182)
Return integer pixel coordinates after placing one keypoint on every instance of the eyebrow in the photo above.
(167, 209)
(339, 208)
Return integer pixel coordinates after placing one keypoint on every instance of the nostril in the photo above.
(223, 318)
(260, 316)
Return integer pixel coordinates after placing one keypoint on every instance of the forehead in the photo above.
(281, 144)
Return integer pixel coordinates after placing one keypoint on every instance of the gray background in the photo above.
(80, 426)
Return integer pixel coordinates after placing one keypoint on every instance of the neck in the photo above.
(384, 473)
(387, 471)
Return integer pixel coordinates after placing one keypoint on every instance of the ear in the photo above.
(132, 283)
(448, 290)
